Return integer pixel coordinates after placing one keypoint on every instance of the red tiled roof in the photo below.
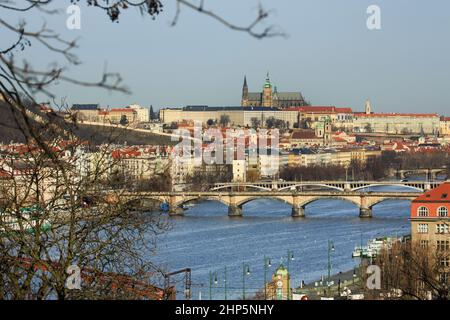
(4, 174)
(418, 115)
(304, 134)
(439, 194)
(320, 109)
(125, 153)
(344, 110)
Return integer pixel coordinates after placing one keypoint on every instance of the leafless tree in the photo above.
(59, 208)
(410, 271)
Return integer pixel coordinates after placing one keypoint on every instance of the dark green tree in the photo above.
(123, 120)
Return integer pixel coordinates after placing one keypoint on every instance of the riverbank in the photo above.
(340, 282)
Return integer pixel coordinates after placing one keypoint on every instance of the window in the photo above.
(443, 245)
(445, 262)
(442, 228)
(442, 212)
(424, 244)
(444, 277)
(422, 228)
(423, 212)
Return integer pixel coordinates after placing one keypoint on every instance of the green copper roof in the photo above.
(281, 270)
(267, 83)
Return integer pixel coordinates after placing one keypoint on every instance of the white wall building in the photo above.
(142, 113)
(239, 170)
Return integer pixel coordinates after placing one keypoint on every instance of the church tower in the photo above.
(267, 100)
(244, 101)
(275, 97)
(368, 108)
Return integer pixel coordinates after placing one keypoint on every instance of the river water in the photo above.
(207, 240)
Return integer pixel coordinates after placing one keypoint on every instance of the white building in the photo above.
(396, 123)
(142, 113)
(239, 170)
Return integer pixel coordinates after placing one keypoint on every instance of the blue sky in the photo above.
(329, 54)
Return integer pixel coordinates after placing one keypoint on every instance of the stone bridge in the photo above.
(431, 174)
(297, 200)
(332, 185)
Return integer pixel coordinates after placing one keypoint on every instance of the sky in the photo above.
(329, 54)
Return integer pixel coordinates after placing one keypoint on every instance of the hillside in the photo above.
(10, 132)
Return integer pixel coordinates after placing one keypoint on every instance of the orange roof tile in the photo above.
(439, 194)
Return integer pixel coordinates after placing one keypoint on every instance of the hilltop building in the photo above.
(93, 113)
(444, 126)
(270, 97)
(238, 116)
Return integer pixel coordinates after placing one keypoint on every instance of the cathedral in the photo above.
(271, 97)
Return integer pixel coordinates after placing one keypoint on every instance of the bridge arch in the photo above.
(242, 202)
(139, 202)
(310, 185)
(378, 201)
(388, 185)
(242, 186)
(355, 201)
(186, 200)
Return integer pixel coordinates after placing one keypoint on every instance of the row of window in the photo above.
(441, 245)
(425, 212)
(441, 228)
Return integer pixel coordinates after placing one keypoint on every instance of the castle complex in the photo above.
(270, 97)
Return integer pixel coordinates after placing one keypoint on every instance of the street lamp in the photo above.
(213, 279)
(245, 273)
(210, 284)
(330, 249)
(290, 256)
(225, 282)
(267, 264)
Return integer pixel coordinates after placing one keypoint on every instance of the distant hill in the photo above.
(10, 132)
(100, 134)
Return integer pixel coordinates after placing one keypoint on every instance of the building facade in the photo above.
(237, 116)
(444, 126)
(396, 123)
(430, 225)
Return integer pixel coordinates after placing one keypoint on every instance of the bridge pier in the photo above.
(234, 211)
(365, 212)
(298, 212)
(176, 211)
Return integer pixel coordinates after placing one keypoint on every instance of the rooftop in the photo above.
(439, 194)
(416, 115)
(304, 134)
(85, 106)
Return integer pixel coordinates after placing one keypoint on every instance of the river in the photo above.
(206, 239)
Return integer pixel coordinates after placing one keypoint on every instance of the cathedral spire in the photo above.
(267, 83)
(244, 100)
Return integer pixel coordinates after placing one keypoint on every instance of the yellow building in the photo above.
(444, 128)
(279, 287)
